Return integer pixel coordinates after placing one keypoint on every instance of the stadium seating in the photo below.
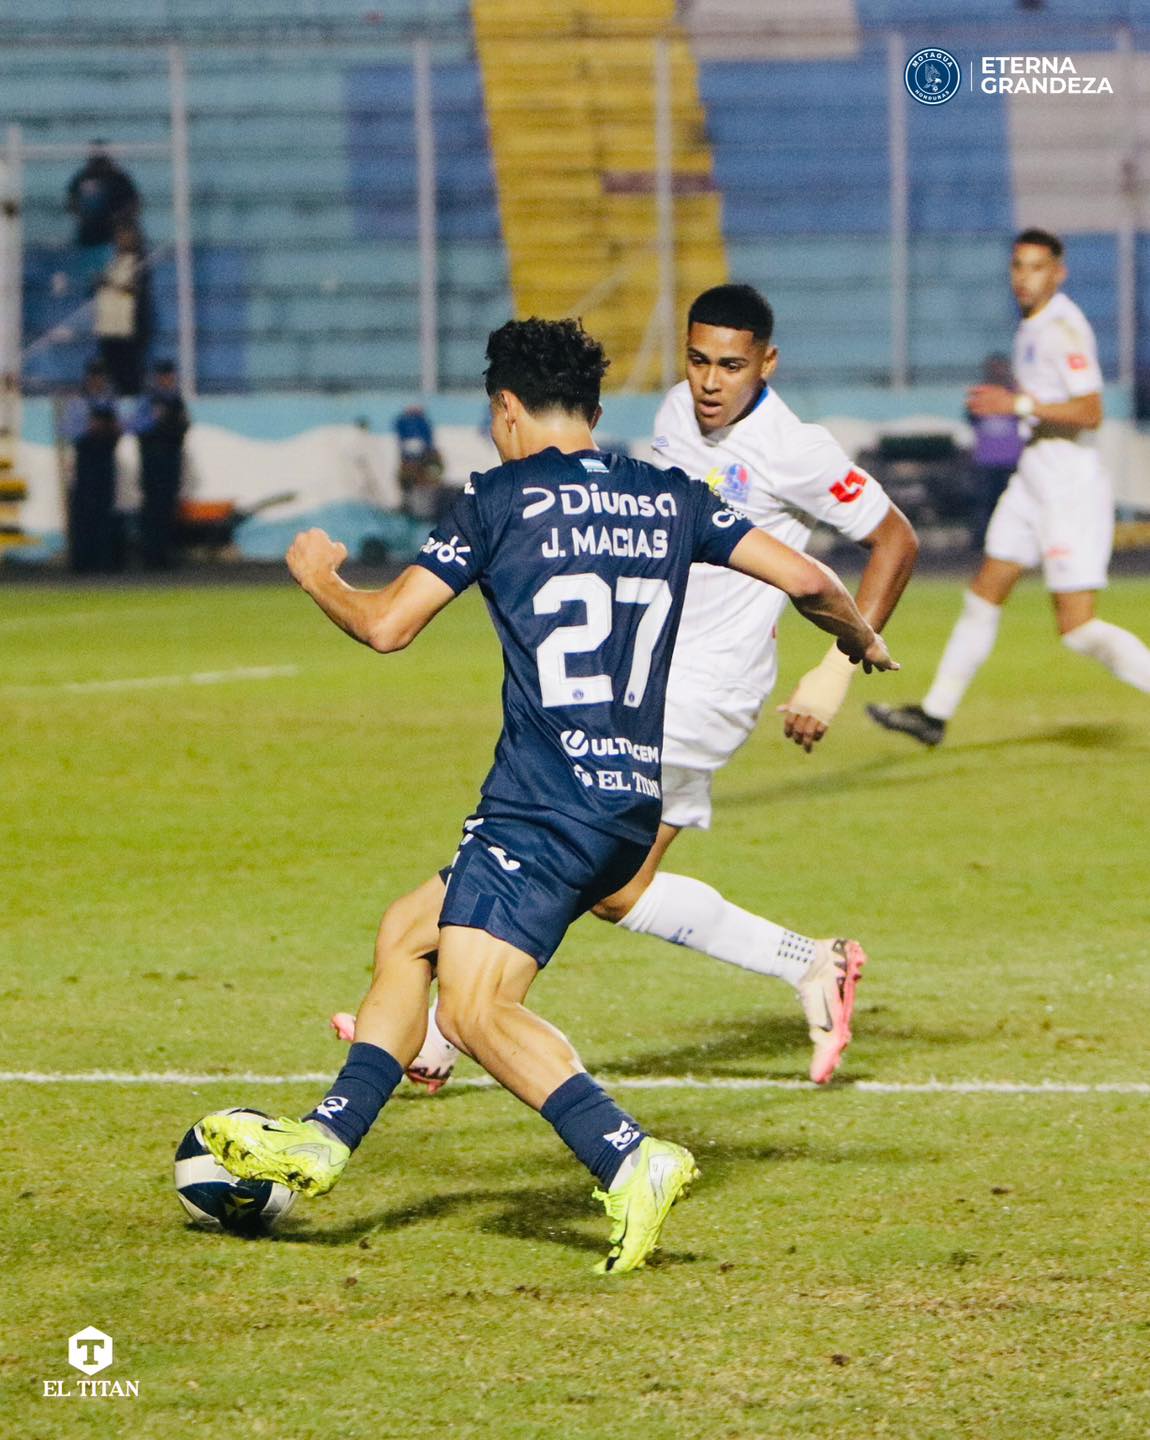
(572, 113)
(305, 232)
(806, 207)
(304, 176)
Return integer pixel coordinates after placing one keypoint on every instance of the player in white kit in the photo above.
(725, 424)
(1057, 511)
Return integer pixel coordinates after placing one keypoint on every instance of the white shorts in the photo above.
(686, 797)
(704, 725)
(1058, 512)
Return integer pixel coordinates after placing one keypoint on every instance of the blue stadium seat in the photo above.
(307, 259)
(359, 265)
(304, 186)
(942, 14)
(806, 206)
(467, 264)
(461, 361)
(307, 262)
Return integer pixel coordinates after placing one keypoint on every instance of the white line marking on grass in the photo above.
(157, 682)
(619, 1082)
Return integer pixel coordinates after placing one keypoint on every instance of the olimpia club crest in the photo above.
(932, 76)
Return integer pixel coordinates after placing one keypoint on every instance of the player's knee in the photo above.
(1071, 613)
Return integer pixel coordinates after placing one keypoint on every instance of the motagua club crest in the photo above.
(932, 76)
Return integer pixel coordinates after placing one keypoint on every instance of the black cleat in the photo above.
(909, 720)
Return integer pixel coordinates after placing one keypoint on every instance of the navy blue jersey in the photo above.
(583, 562)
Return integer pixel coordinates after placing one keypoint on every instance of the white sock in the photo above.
(688, 912)
(1123, 654)
(967, 650)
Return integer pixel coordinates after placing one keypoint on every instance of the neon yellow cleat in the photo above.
(663, 1173)
(297, 1153)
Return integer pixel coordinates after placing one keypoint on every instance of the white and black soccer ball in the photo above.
(216, 1200)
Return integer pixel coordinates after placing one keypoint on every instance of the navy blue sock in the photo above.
(591, 1125)
(361, 1090)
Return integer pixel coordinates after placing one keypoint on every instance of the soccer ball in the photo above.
(216, 1200)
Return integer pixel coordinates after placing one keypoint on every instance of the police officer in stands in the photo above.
(95, 527)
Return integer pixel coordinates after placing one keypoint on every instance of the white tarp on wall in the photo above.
(336, 463)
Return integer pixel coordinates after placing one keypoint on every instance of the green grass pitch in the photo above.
(193, 873)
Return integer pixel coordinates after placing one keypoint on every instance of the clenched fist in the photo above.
(313, 553)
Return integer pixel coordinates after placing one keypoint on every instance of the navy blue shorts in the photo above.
(525, 875)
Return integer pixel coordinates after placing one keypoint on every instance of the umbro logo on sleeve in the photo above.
(849, 488)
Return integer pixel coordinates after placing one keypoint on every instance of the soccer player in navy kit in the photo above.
(582, 559)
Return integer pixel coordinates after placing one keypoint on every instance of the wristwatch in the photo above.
(1024, 405)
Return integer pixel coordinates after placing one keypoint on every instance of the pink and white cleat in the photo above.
(433, 1065)
(436, 1060)
(827, 992)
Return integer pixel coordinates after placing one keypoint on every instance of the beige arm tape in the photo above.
(821, 691)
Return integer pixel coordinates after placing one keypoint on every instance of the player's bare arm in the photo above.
(387, 619)
(893, 549)
(1084, 412)
(816, 592)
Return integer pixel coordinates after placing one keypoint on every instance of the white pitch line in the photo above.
(157, 682)
(619, 1082)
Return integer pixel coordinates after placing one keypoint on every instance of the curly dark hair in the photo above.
(547, 364)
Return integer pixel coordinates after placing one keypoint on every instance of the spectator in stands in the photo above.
(997, 446)
(95, 527)
(101, 196)
(161, 422)
(420, 464)
(124, 311)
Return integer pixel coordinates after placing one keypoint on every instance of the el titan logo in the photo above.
(90, 1351)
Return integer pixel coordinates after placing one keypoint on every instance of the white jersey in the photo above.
(1057, 511)
(1055, 360)
(1055, 357)
(786, 476)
